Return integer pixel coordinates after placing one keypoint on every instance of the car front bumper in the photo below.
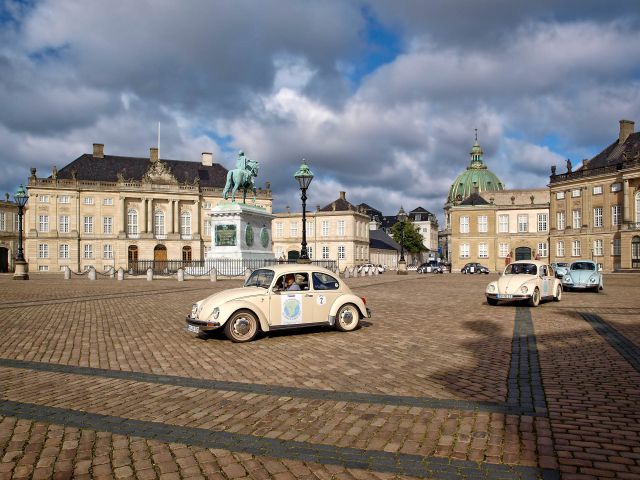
(507, 297)
(579, 286)
(200, 326)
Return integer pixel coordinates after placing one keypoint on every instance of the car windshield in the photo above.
(521, 269)
(260, 278)
(583, 266)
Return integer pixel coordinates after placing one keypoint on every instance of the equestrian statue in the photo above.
(243, 176)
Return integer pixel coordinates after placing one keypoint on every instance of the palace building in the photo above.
(110, 211)
(8, 234)
(595, 209)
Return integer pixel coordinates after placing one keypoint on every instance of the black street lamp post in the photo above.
(21, 268)
(402, 264)
(304, 177)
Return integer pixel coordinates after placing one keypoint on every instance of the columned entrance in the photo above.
(159, 258)
(635, 252)
(4, 260)
(523, 253)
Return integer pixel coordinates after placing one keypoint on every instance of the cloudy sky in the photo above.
(380, 96)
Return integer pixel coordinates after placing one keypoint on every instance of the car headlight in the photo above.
(194, 310)
(567, 279)
(216, 313)
(491, 288)
(593, 280)
(524, 289)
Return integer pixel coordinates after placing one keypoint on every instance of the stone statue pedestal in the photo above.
(240, 232)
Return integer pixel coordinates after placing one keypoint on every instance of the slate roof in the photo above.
(380, 240)
(341, 205)
(616, 153)
(474, 199)
(369, 210)
(106, 169)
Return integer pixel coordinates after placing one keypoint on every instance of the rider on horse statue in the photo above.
(242, 177)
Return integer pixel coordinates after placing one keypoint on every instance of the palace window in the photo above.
(576, 248)
(132, 222)
(523, 223)
(43, 250)
(597, 217)
(503, 250)
(310, 251)
(341, 252)
(88, 251)
(503, 224)
(577, 223)
(63, 199)
(278, 229)
(310, 231)
(63, 251)
(560, 220)
(464, 250)
(616, 211)
(598, 248)
(88, 224)
(43, 223)
(483, 250)
(616, 247)
(483, 224)
(185, 223)
(597, 190)
(43, 199)
(3, 221)
(575, 192)
(559, 195)
(107, 201)
(88, 200)
(325, 228)
(560, 248)
(158, 222)
(63, 224)
(464, 224)
(616, 187)
(107, 252)
(340, 228)
(543, 251)
(293, 229)
(207, 228)
(107, 225)
(543, 222)
(325, 253)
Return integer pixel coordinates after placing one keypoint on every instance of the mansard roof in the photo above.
(110, 167)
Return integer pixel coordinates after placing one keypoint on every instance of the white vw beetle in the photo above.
(529, 280)
(279, 297)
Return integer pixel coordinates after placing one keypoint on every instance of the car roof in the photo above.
(296, 267)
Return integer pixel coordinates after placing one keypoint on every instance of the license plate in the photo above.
(193, 329)
(504, 295)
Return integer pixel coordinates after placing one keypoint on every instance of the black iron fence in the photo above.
(223, 266)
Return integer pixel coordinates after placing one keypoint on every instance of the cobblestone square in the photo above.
(100, 380)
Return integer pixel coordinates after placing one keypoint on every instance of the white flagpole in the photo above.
(158, 140)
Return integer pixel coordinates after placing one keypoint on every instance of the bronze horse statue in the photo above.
(242, 178)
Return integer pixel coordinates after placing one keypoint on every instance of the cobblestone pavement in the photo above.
(99, 380)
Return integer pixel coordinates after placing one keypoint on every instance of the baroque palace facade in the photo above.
(107, 211)
(595, 210)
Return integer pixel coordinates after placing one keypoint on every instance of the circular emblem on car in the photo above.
(264, 237)
(291, 309)
(248, 236)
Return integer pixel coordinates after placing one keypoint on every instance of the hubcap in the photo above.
(347, 317)
(241, 326)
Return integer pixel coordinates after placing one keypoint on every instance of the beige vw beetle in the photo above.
(529, 280)
(279, 297)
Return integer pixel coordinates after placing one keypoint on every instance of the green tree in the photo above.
(413, 239)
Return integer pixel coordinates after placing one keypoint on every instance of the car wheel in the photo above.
(241, 327)
(558, 295)
(534, 301)
(348, 318)
(492, 301)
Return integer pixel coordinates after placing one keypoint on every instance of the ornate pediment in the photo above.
(159, 172)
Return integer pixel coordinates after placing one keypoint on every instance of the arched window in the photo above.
(186, 254)
(132, 222)
(185, 223)
(133, 253)
(635, 252)
(158, 222)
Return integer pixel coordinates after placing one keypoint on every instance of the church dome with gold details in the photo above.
(476, 178)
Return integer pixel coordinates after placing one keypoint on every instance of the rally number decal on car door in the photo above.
(321, 300)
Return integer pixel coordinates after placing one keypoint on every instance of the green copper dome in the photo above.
(476, 175)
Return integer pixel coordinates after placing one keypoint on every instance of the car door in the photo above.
(325, 292)
(547, 280)
(291, 307)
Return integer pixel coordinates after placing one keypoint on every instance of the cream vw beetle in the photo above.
(529, 280)
(279, 297)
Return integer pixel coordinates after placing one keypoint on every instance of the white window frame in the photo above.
(503, 224)
(464, 250)
(616, 247)
(88, 200)
(616, 187)
(483, 250)
(310, 252)
(63, 251)
(543, 250)
(88, 251)
(325, 228)
(64, 199)
(158, 222)
(464, 224)
(293, 229)
(483, 224)
(559, 195)
(107, 251)
(185, 222)
(561, 220)
(597, 217)
(132, 222)
(63, 224)
(340, 228)
(597, 190)
(88, 224)
(523, 223)
(342, 253)
(325, 252)
(107, 225)
(575, 193)
(43, 250)
(543, 222)
(598, 247)
(560, 248)
(616, 215)
(43, 198)
(576, 218)
(503, 250)
(43, 223)
(3, 222)
(278, 229)
(576, 248)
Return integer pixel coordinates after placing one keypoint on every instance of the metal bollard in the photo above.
(149, 274)
(120, 275)
(247, 274)
(181, 274)
(213, 275)
(92, 273)
(67, 273)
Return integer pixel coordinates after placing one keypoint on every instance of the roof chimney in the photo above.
(153, 154)
(207, 159)
(626, 129)
(98, 150)
(343, 196)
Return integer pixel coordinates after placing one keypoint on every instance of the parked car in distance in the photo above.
(366, 267)
(432, 266)
(279, 297)
(560, 268)
(583, 275)
(526, 280)
(474, 267)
